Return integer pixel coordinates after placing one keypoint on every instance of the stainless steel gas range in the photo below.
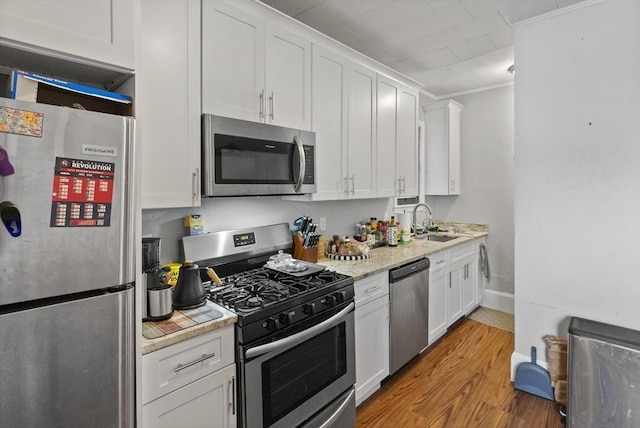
(295, 331)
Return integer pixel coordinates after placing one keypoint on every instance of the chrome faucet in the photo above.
(415, 210)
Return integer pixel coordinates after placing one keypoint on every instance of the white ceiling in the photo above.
(450, 46)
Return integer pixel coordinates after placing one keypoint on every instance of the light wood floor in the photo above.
(461, 381)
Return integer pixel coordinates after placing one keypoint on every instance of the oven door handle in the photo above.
(303, 163)
(302, 336)
(343, 406)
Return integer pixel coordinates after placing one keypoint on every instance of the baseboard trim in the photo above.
(517, 359)
(499, 301)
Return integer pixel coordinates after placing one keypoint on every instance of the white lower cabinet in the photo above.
(372, 334)
(191, 383)
(453, 283)
(207, 402)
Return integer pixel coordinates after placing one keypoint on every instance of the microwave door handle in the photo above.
(302, 336)
(303, 162)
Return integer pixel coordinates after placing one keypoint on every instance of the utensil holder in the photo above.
(299, 252)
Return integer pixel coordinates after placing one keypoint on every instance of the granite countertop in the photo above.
(385, 258)
(382, 259)
(228, 317)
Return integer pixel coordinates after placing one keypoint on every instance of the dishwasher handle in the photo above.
(409, 269)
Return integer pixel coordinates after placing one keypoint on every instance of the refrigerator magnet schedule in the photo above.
(82, 193)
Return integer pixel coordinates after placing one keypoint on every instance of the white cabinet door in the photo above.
(253, 70)
(206, 403)
(372, 346)
(360, 152)
(454, 296)
(407, 142)
(397, 143)
(329, 122)
(288, 79)
(442, 148)
(386, 138)
(168, 103)
(233, 73)
(469, 285)
(438, 290)
(98, 30)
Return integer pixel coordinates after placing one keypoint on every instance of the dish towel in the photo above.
(484, 262)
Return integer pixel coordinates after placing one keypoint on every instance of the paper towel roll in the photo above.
(405, 220)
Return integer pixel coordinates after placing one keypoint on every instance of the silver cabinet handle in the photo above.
(302, 166)
(261, 104)
(372, 289)
(353, 184)
(273, 106)
(232, 385)
(346, 185)
(439, 262)
(453, 185)
(192, 363)
(195, 186)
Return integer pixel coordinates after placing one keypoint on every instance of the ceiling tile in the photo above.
(368, 25)
(479, 8)
(441, 39)
(481, 26)
(473, 48)
(502, 38)
(401, 11)
(468, 65)
(448, 16)
(439, 58)
(355, 8)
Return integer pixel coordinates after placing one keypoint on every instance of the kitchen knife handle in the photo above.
(214, 276)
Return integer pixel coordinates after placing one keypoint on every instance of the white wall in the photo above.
(234, 213)
(577, 163)
(487, 175)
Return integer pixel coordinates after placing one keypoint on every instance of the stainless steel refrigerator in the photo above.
(66, 267)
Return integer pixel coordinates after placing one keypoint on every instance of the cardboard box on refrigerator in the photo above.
(33, 87)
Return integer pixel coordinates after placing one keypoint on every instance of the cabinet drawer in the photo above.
(437, 261)
(177, 365)
(460, 252)
(370, 288)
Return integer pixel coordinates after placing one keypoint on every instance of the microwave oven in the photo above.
(243, 158)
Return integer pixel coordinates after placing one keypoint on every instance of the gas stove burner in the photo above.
(254, 302)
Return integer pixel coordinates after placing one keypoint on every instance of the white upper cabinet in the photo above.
(253, 70)
(100, 30)
(397, 142)
(168, 119)
(344, 122)
(359, 155)
(442, 143)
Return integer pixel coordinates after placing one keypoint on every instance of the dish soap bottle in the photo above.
(392, 233)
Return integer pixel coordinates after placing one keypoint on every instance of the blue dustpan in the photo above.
(533, 379)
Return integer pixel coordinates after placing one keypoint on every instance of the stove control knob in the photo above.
(273, 324)
(309, 308)
(341, 296)
(286, 318)
(330, 300)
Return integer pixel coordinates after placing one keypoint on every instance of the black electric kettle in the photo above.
(189, 292)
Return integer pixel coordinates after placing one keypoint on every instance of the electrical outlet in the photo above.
(323, 224)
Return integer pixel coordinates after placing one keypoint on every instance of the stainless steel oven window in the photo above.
(285, 387)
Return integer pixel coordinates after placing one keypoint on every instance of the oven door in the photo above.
(286, 382)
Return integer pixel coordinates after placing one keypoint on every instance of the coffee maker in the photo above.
(156, 293)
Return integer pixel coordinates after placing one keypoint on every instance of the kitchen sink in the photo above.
(437, 238)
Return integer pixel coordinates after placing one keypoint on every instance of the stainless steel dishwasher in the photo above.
(409, 312)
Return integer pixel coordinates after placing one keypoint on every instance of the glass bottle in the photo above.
(392, 233)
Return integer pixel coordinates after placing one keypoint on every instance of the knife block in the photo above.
(301, 253)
